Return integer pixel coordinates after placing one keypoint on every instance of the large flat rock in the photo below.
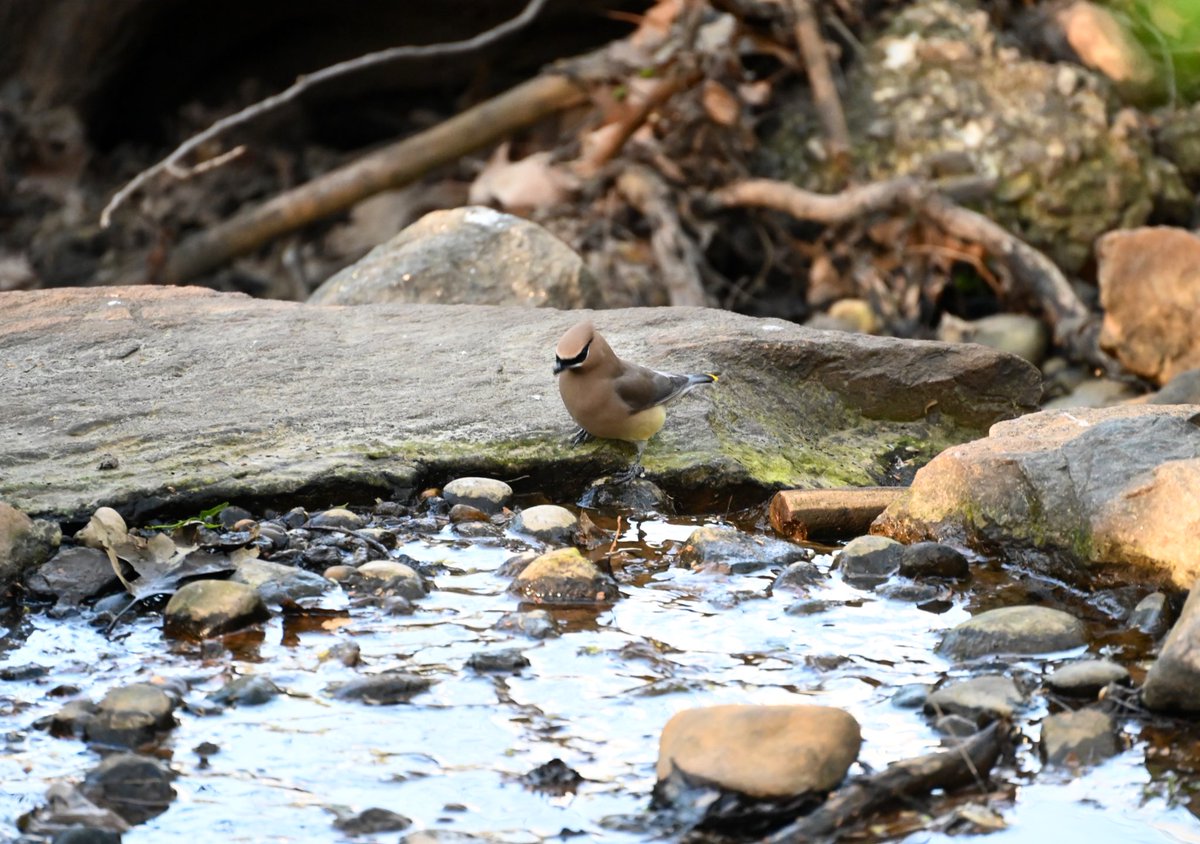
(200, 396)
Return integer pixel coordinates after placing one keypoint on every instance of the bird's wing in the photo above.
(641, 388)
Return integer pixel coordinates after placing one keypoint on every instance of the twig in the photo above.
(367, 540)
(678, 257)
(182, 173)
(972, 759)
(633, 121)
(390, 167)
(1076, 329)
(305, 82)
(820, 79)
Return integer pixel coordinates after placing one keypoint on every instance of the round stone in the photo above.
(402, 579)
(548, 522)
(1015, 630)
(1087, 677)
(338, 517)
(484, 494)
(206, 608)
(564, 576)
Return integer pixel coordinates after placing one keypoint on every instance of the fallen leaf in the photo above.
(721, 106)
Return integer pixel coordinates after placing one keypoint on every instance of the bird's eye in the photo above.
(567, 363)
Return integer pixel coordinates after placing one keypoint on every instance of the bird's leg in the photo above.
(581, 436)
(634, 469)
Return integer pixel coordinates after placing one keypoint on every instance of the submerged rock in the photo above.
(135, 787)
(205, 608)
(548, 522)
(982, 699)
(1173, 681)
(486, 494)
(372, 822)
(564, 577)
(1083, 737)
(1063, 490)
(254, 690)
(727, 549)
(1152, 615)
(387, 687)
(394, 577)
(536, 624)
(129, 716)
(277, 583)
(761, 751)
(1014, 630)
(504, 661)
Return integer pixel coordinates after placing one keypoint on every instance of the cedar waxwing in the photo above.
(612, 399)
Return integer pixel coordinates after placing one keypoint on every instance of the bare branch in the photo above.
(303, 83)
(820, 79)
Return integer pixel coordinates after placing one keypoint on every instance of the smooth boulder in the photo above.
(1173, 681)
(205, 608)
(1014, 630)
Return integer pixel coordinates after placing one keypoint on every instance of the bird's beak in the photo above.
(559, 366)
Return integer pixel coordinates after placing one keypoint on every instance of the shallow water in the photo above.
(596, 698)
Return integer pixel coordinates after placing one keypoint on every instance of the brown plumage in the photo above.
(611, 398)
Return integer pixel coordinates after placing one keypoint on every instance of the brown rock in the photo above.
(1082, 737)
(804, 513)
(206, 608)
(1064, 489)
(24, 543)
(1102, 43)
(564, 576)
(762, 751)
(1173, 681)
(1150, 290)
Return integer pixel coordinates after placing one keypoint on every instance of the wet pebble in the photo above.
(387, 687)
(135, 787)
(294, 518)
(726, 549)
(910, 696)
(536, 624)
(553, 777)
(1152, 615)
(131, 715)
(868, 561)
(564, 576)
(466, 513)
(1086, 678)
(338, 517)
(317, 557)
(506, 661)
(1083, 737)
(484, 494)
(981, 699)
(231, 516)
(1173, 681)
(548, 523)
(933, 559)
(347, 653)
(478, 530)
(637, 496)
(762, 751)
(372, 821)
(393, 577)
(254, 690)
(73, 575)
(86, 834)
(273, 536)
(205, 608)
(277, 583)
(1014, 630)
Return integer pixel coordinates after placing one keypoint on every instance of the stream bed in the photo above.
(474, 755)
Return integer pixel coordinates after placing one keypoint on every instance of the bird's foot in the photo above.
(630, 474)
(580, 437)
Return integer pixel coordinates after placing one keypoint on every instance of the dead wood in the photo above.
(968, 762)
(1027, 271)
(390, 167)
(677, 255)
(825, 96)
(174, 161)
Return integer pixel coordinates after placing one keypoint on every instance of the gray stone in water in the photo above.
(274, 535)
(486, 494)
(506, 661)
(1083, 737)
(1014, 630)
(254, 690)
(982, 699)
(638, 496)
(205, 608)
(798, 577)
(276, 582)
(1151, 616)
(956, 725)
(933, 559)
(762, 751)
(549, 523)
(1086, 678)
(86, 835)
(472, 254)
(478, 530)
(387, 687)
(911, 696)
(135, 787)
(536, 624)
(73, 575)
(131, 715)
(727, 549)
(372, 822)
(395, 577)
(564, 577)
(1173, 681)
(868, 561)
